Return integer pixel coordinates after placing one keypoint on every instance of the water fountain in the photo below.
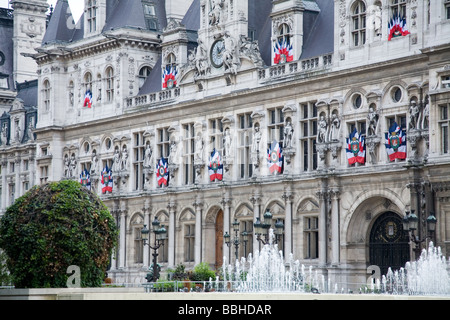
(267, 271)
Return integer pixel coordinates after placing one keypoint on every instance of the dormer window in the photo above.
(150, 15)
(359, 23)
(92, 15)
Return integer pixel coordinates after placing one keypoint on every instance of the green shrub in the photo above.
(52, 227)
(202, 272)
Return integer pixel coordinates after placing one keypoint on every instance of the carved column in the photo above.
(147, 209)
(122, 236)
(323, 196)
(198, 205)
(171, 207)
(288, 197)
(335, 226)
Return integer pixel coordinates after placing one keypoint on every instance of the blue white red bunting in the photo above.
(107, 180)
(275, 158)
(356, 148)
(88, 99)
(162, 172)
(169, 77)
(85, 179)
(215, 166)
(396, 143)
(283, 52)
(397, 27)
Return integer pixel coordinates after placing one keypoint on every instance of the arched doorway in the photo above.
(388, 244)
(219, 240)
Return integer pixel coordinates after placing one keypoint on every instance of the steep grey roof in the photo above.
(58, 29)
(130, 13)
(260, 23)
(119, 14)
(28, 92)
(153, 83)
(318, 27)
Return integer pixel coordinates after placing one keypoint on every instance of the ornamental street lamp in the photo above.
(411, 223)
(236, 241)
(262, 229)
(160, 237)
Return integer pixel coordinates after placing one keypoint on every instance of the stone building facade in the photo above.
(179, 80)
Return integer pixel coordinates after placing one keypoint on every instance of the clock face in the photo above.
(217, 50)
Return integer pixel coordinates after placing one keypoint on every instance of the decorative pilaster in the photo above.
(147, 209)
(171, 206)
(323, 198)
(288, 198)
(334, 194)
(198, 205)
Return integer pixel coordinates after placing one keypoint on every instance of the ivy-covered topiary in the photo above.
(52, 227)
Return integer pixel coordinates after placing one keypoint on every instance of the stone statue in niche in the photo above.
(373, 122)
(335, 126)
(414, 115)
(148, 156)
(256, 138)
(94, 163)
(288, 134)
(116, 161)
(124, 163)
(322, 130)
(227, 143)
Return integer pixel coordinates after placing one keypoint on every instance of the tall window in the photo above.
(215, 135)
(92, 15)
(109, 84)
(276, 125)
(308, 134)
(46, 95)
(189, 153)
(244, 145)
(144, 72)
(189, 242)
(359, 23)
(163, 143)
(444, 122)
(87, 81)
(284, 34)
(398, 8)
(138, 160)
(311, 234)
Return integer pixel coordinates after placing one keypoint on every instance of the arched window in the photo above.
(359, 23)
(109, 84)
(46, 95)
(88, 81)
(284, 34)
(144, 72)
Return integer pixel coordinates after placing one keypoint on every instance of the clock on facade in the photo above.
(217, 50)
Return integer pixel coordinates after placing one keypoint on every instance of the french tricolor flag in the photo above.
(356, 148)
(396, 143)
(88, 99)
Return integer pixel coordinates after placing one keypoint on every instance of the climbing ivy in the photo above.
(52, 227)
